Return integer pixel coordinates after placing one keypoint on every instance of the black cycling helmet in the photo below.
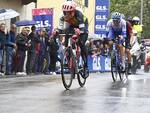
(129, 18)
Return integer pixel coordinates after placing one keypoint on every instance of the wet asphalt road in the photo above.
(46, 94)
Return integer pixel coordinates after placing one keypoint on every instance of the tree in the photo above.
(133, 8)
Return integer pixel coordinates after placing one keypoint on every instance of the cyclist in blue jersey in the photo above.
(116, 27)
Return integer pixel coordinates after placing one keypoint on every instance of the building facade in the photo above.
(24, 7)
(88, 7)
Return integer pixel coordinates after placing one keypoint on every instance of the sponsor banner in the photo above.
(101, 17)
(43, 18)
(99, 63)
(95, 64)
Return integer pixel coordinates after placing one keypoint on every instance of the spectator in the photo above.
(99, 46)
(33, 40)
(27, 30)
(43, 60)
(2, 45)
(54, 54)
(89, 44)
(10, 50)
(106, 50)
(94, 50)
(21, 41)
(25, 61)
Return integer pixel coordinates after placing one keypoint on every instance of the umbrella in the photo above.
(8, 14)
(25, 23)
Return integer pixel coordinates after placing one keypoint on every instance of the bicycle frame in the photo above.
(71, 56)
(117, 54)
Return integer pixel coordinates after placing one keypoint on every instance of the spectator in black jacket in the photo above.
(22, 44)
(31, 55)
(10, 50)
(53, 55)
(2, 45)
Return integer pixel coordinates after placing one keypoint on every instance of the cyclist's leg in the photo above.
(84, 52)
(67, 30)
(122, 52)
(128, 54)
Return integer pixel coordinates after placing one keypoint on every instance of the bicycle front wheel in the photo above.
(115, 68)
(82, 71)
(67, 68)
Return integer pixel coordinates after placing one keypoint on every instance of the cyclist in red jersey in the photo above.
(128, 40)
(73, 21)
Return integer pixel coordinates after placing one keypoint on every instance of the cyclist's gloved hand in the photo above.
(120, 37)
(77, 31)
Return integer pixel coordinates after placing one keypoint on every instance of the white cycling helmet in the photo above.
(136, 19)
(69, 6)
(116, 16)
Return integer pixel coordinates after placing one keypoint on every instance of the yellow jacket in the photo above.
(139, 29)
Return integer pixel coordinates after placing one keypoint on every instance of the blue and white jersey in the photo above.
(113, 31)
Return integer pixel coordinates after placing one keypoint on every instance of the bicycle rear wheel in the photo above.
(126, 67)
(67, 68)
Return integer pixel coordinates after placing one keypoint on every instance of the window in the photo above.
(86, 3)
(13, 20)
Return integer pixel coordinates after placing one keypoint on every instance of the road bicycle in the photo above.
(72, 63)
(116, 62)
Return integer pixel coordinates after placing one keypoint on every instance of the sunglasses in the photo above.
(116, 21)
(67, 13)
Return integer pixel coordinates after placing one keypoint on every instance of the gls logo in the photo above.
(101, 17)
(101, 8)
(100, 27)
(43, 23)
